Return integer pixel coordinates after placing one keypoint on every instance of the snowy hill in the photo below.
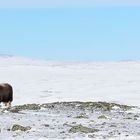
(39, 81)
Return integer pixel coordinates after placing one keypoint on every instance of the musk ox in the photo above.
(6, 94)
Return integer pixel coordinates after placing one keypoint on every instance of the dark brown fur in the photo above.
(6, 93)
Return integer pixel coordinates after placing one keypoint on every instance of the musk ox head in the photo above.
(6, 94)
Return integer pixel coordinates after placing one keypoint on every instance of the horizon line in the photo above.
(65, 60)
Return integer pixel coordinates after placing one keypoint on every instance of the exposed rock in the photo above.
(46, 125)
(17, 109)
(102, 117)
(128, 118)
(83, 129)
(82, 116)
(136, 116)
(17, 127)
(104, 106)
(113, 125)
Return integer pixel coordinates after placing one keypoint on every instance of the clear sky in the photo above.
(72, 30)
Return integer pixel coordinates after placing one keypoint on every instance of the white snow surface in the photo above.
(40, 81)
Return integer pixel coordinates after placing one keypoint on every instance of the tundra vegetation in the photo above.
(64, 120)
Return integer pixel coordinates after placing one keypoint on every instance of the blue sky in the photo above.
(71, 31)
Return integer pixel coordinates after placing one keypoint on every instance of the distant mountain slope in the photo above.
(17, 60)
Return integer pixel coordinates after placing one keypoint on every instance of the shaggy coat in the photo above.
(6, 93)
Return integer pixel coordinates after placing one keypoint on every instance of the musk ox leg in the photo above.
(7, 104)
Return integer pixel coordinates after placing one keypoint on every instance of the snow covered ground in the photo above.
(70, 120)
(38, 81)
